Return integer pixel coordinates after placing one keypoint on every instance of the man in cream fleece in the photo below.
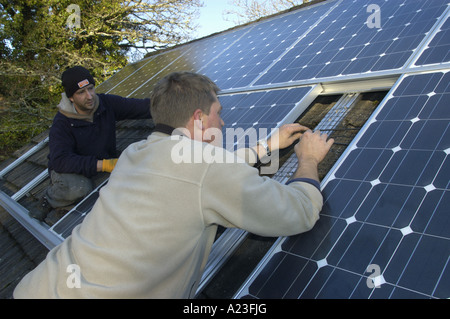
(150, 232)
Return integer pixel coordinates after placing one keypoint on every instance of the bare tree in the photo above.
(244, 11)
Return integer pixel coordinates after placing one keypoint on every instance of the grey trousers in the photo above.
(67, 189)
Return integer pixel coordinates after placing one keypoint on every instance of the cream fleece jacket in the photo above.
(150, 232)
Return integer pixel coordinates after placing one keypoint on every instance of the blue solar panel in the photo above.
(260, 47)
(327, 39)
(386, 201)
(343, 43)
(393, 228)
(438, 50)
(260, 111)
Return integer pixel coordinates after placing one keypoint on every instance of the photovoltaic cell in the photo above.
(326, 39)
(343, 43)
(257, 49)
(394, 181)
(393, 228)
(144, 74)
(115, 80)
(438, 50)
(260, 111)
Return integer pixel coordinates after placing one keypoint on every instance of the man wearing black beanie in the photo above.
(71, 79)
(82, 139)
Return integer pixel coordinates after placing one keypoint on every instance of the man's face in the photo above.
(213, 119)
(84, 99)
(213, 124)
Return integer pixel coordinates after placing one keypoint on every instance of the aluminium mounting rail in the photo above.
(37, 229)
(23, 158)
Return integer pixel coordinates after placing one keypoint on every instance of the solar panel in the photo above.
(384, 221)
(137, 79)
(343, 43)
(326, 39)
(119, 77)
(261, 46)
(63, 228)
(262, 111)
(437, 51)
(149, 70)
(390, 237)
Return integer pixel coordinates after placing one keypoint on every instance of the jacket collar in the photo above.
(67, 108)
(167, 129)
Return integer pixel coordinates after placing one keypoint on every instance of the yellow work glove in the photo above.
(108, 165)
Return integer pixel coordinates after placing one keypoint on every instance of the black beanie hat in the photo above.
(76, 78)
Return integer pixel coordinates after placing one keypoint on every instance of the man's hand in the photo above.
(107, 165)
(310, 151)
(285, 136)
(313, 146)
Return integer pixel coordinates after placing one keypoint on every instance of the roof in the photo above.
(274, 71)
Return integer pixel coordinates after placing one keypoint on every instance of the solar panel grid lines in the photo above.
(393, 229)
(193, 56)
(240, 57)
(118, 78)
(324, 11)
(343, 44)
(142, 81)
(437, 50)
(238, 66)
(260, 112)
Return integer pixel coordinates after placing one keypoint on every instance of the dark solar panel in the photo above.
(63, 228)
(385, 215)
(191, 57)
(343, 43)
(261, 46)
(259, 111)
(151, 69)
(393, 228)
(118, 78)
(438, 50)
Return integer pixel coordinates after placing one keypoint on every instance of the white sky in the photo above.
(211, 18)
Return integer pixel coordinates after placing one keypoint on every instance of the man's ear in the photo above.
(198, 115)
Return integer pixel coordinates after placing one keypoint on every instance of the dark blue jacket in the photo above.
(76, 145)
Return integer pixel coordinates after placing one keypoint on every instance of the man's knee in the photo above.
(80, 188)
(69, 187)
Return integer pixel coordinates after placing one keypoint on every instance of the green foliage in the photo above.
(39, 39)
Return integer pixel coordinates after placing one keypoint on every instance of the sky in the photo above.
(211, 19)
